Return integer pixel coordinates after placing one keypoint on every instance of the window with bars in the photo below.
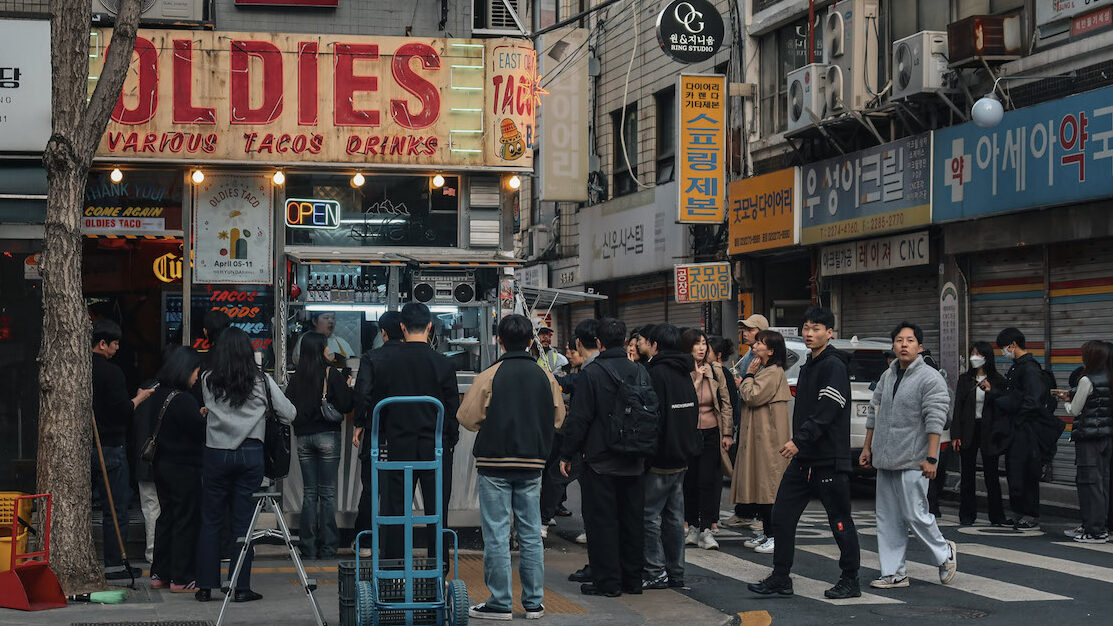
(666, 134)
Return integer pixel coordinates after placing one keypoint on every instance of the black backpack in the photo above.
(633, 422)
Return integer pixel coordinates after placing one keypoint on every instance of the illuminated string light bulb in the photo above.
(279, 178)
(358, 180)
(116, 175)
(438, 181)
(514, 182)
(198, 177)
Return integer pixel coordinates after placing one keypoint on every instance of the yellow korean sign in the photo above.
(763, 212)
(703, 282)
(702, 148)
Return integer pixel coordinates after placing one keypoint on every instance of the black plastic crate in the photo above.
(390, 590)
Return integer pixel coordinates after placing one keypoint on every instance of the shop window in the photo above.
(666, 134)
(143, 203)
(384, 211)
(624, 175)
(782, 51)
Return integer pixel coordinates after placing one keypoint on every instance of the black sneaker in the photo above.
(1008, 521)
(845, 588)
(482, 611)
(589, 589)
(582, 575)
(535, 612)
(781, 585)
(563, 512)
(661, 582)
(1027, 523)
(676, 583)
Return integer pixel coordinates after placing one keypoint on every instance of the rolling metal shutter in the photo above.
(642, 301)
(579, 312)
(872, 304)
(686, 315)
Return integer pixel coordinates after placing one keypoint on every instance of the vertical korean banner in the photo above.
(701, 124)
(233, 231)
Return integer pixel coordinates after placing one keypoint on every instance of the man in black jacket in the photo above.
(1024, 403)
(515, 406)
(113, 410)
(415, 369)
(678, 440)
(819, 466)
(613, 484)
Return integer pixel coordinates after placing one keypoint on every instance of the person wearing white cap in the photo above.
(750, 327)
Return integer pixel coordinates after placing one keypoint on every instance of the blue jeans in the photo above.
(119, 481)
(498, 498)
(319, 457)
(230, 477)
(664, 526)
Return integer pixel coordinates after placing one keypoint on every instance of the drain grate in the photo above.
(163, 623)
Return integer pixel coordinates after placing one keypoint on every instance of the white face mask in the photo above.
(976, 361)
(1005, 352)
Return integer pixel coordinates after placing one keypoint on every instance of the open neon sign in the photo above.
(319, 214)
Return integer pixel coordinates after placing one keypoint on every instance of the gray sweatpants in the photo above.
(902, 504)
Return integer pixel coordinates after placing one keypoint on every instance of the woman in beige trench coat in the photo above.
(764, 428)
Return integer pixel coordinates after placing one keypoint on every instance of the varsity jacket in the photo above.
(821, 418)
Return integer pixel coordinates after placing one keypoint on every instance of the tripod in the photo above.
(270, 500)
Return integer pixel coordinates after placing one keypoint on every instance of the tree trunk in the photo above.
(65, 396)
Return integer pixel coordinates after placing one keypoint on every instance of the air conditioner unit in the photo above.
(443, 287)
(806, 90)
(920, 64)
(156, 11)
(981, 38)
(850, 47)
(500, 17)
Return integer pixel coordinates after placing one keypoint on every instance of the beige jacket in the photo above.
(765, 427)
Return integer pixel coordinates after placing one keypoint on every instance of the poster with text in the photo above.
(233, 231)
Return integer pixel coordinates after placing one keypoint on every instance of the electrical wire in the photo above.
(625, 93)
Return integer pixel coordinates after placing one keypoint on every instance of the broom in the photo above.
(112, 596)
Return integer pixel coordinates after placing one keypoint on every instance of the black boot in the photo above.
(774, 584)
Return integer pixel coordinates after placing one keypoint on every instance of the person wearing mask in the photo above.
(613, 483)
(642, 334)
(678, 440)
(390, 329)
(416, 369)
(113, 410)
(972, 430)
(515, 407)
(703, 480)
(906, 417)
(748, 329)
(765, 425)
(1023, 400)
(237, 396)
(177, 471)
(325, 323)
(548, 356)
(315, 381)
(1092, 434)
(819, 461)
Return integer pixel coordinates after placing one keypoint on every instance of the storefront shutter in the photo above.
(642, 301)
(871, 305)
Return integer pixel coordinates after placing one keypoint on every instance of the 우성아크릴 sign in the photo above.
(702, 282)
(701, 125)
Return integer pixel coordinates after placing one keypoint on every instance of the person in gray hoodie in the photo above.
(907, 415)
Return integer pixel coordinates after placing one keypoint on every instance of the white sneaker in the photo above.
(766, 548)
(482, 611)
(551, 522)
(891, 581)
(949, 568)
(1074, 532)
(535, 612)
(544, 532)
(755, 541)
(581, 538)
(736, 522)
(365, 553)
(707, 540)
(692, 537)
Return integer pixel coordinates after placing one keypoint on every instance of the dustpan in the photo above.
(31, 585)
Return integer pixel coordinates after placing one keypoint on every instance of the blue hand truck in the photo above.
(444, 602)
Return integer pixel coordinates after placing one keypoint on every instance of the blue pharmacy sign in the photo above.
(1053, 153)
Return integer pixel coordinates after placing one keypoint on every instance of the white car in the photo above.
(867, 363)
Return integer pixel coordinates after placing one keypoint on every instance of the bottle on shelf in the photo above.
(310, 287)
(334, 289)
(361, 290)
(349, 291)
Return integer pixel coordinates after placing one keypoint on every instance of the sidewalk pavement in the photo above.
(284, 602)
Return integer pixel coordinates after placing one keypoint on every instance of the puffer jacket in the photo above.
(1096, 420)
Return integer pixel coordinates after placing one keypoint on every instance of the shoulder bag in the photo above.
(150, 446)
(276, 441)
(331, 414)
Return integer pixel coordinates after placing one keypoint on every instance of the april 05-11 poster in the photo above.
(233, 231)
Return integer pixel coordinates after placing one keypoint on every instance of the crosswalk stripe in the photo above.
(1063, 566)
(744, 571)
(1096, 547)
(969, 583)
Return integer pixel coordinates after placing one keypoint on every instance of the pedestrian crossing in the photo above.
(1048, 563)
(1095, 547)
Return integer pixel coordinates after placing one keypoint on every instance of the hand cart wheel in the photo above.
(457, 602)
(366, 612)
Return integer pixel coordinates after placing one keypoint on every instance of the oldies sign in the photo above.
(324, 98)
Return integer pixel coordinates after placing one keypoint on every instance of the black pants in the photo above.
(393, 499)
(179, 522)
(363, 513)
(1023, 466)
(968, 504)
(799, 485)
(703, 483)
(554, 485)
(1091, 459)
(614, 510)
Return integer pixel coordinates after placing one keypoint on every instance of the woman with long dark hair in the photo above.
(764, 428)
(1092, 434)
(177, 471)
(236, 393)
(972, 428)
(703, 480)
(318, 443)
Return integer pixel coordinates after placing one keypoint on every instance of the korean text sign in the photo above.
(703, 282)
(882, 253)
(1052, 153)
(24, 85)
(763, 211)
(702, 147)
(871, 191)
